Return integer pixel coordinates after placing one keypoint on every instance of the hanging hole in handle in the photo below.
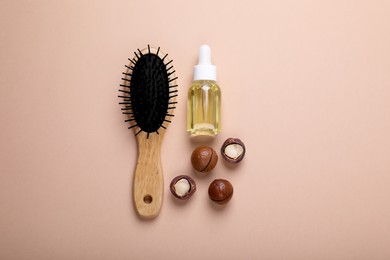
(148, 199)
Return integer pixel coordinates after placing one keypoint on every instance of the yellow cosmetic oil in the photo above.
(204, 98)
(204, 101)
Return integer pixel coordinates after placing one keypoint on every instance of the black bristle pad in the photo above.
(149, 91)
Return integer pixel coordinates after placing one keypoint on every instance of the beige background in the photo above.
(305, 84)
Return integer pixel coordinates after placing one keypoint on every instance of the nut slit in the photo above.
(210, 159)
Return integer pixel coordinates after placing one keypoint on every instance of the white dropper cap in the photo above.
(205, 70)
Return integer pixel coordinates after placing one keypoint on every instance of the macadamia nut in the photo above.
(204, 158)
(220, 191)
(183, 187)
(233, 150)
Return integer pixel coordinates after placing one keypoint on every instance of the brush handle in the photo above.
(148, 177)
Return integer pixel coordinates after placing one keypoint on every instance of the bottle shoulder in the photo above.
(201, 84)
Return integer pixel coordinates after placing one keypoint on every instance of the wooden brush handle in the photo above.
(148, 177)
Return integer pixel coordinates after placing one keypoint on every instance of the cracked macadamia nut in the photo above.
(183, 187)
(204, 158)
(233, 150)
(220, 191)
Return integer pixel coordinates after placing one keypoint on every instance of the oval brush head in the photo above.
(148, 97)
(149, 91)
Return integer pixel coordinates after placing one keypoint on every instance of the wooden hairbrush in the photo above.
(149, 97)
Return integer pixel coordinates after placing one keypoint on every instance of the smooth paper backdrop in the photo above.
(305, 85)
